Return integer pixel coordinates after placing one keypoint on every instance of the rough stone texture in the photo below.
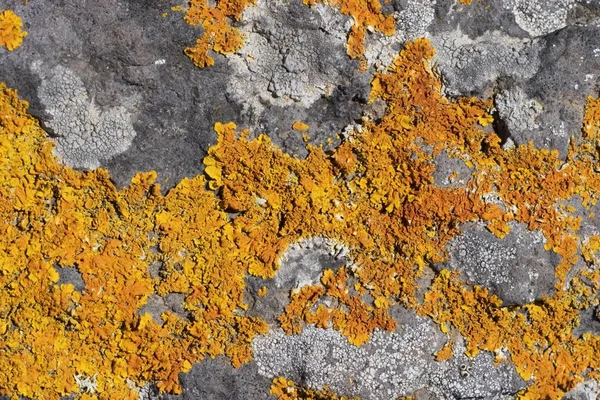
(516, 268)
(110, 83)
(589, 390)
(218, 380)
(390, 365)
(70, 276)
(450, 172)
(124, 51)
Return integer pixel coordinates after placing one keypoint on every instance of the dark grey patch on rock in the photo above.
(326, 117)
(568, 74)
(156, 305)
(72, 276)
(540, 57)
(123, 50)
(217, 379)
(516, 268)
(589, 322)
(450, 172)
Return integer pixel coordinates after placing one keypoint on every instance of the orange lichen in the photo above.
(218, 33)
(11, 30)
(300, 126)
(374, 193)
(286, 389)
(367, 16)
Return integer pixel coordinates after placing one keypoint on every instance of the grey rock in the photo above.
(70, 276)
(216, 379)
(589, 390)
(517, 268)
(294, 67)
(450, 172)
(123, 51)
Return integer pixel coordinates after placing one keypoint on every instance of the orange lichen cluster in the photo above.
(351, 316)
(218, 33)
(286, 389)
(11, 30)
(367, 16)
(374, 193)
(52, 216)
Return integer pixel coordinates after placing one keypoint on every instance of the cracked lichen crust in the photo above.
(516, 268)
(519, 113)
(84, 132)
(303, 262)
(389, 365)
(292, 54)
(470, 65)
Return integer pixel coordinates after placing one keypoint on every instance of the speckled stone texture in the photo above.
(110, 83)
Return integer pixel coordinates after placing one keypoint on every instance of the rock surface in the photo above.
(110, 83)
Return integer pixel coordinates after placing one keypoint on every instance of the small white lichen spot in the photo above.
(87, 384)
(160, 62)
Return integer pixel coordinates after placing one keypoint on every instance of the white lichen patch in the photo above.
(517, 110)
(411, 23)
(84, 133)
(540, 17)
(87, 384)
(470, 64)
(282, 63)
(517, 268)
(388, 366)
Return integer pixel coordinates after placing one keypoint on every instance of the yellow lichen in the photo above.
(11, 30)
(219, 35)
(286, 389)
(300, 126)
(374, 193)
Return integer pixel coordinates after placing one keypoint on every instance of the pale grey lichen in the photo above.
(84, 133)
(589, 390)
(540, 17)
(469, 65)
(283, 63)
(411, 23)
(517, 268)
(517, 110)
(389, 365)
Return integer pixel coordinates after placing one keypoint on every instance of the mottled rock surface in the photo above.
(110, 83)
